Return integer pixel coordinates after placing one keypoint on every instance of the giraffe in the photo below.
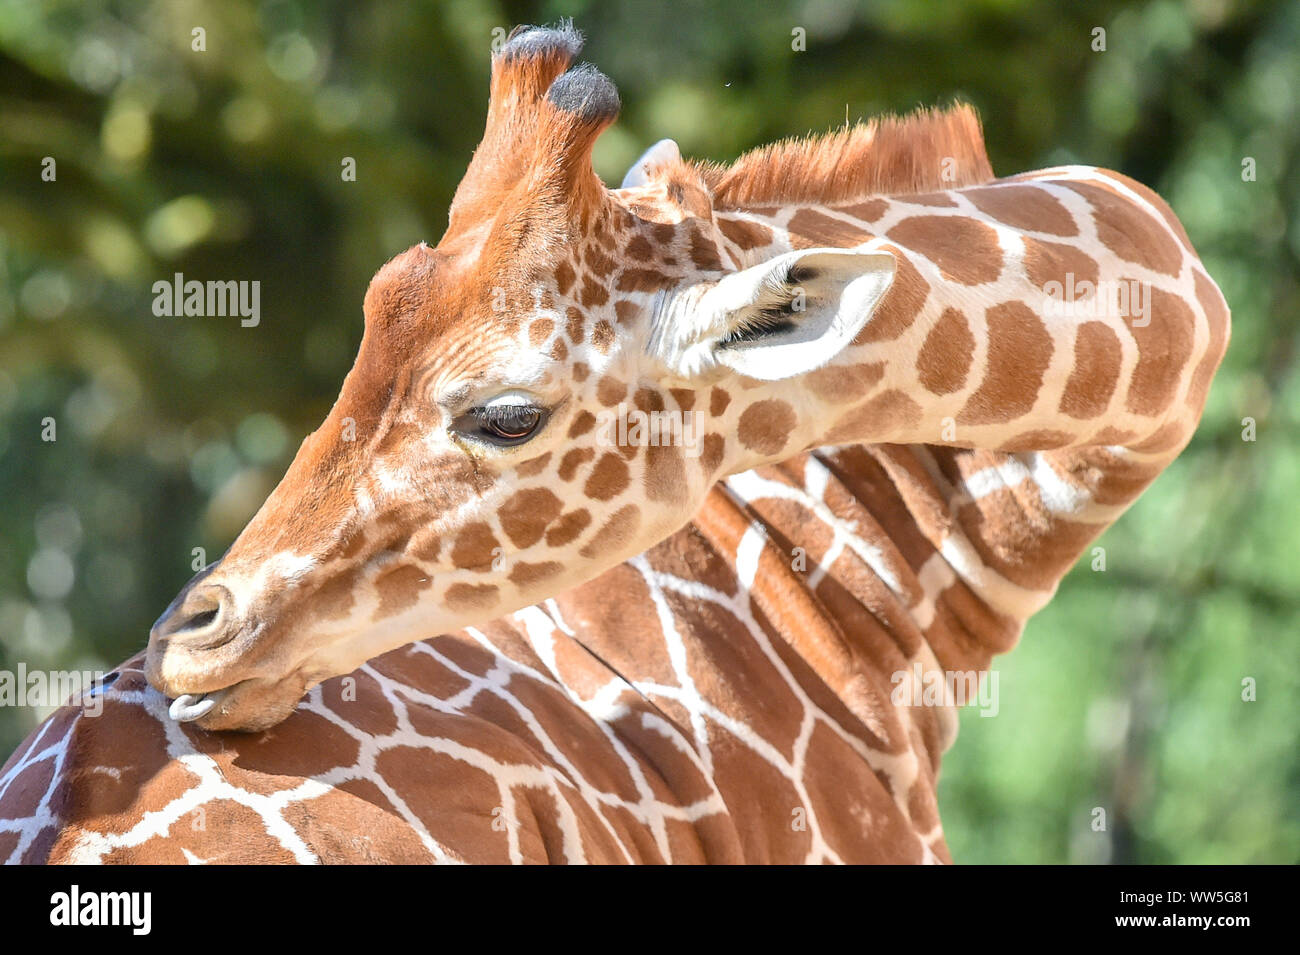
(493, 628)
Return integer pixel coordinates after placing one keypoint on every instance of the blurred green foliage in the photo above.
(1126, 692)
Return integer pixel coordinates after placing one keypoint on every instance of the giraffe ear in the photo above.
(660, 154)
(794, 313)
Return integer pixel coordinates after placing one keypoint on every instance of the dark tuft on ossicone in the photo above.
(585, 92)
(526, 41)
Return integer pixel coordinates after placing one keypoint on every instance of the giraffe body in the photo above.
(893, 473)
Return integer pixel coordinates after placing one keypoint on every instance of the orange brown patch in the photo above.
(1040, 440)
(936, 200)
(642, 280)
(573, 459)
(704, 253)
(1048, 262)
(470, 597)
(711, 452)
(900, 306)
(525, 516)
(574, 324)
(745, 234)
(1097, 357)
(665, 473)
(765, 426)
(474, 547)
(843, 383)
(964, 249)
(567, 528)
(1164, 348)
(608, 478)
(616, 533)
(583, 422)
(598, 261)
(887, 414)
(539, 331)
(533, 466)
(809, 229)
(524, 574)
(1019, 352)
(593, 293)
(399, 587)
(610, 390)
(602, 336)
(564, 277)
(944, 360)
(1026, 207)
(639, 248)
(868, 211)
(1130, 233)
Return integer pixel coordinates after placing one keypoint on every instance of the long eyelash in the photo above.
(503, 414)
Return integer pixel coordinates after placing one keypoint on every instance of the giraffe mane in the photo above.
(923, 151)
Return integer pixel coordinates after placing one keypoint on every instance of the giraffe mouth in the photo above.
(192, 706)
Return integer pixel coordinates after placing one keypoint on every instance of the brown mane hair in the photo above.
(924, 151)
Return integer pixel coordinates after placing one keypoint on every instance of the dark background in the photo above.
(225, 164)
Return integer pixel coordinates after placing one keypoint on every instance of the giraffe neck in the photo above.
(973, 347)
(1043, 354)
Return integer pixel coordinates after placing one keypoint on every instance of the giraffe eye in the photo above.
(504, 425)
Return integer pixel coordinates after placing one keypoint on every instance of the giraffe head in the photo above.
(549, 391)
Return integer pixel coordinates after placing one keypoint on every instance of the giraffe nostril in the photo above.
(203, 614)
(198, 621)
